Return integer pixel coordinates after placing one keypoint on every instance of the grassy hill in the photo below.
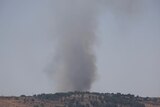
(79, 99)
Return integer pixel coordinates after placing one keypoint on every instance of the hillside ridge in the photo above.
(79, 99)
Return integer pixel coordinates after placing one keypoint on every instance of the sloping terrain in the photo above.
(79, 99)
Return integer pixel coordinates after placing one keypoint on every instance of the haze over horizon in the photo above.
(127, 45)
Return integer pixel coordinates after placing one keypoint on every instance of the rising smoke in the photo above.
(75, 23)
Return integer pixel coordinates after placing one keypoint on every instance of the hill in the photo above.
(79, 99)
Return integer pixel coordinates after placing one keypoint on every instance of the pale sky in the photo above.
(128, 47)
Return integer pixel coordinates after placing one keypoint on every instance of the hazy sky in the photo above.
(128, 48)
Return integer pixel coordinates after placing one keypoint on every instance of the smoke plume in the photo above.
(75, 22)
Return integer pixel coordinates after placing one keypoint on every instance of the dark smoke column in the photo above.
(74, 67)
